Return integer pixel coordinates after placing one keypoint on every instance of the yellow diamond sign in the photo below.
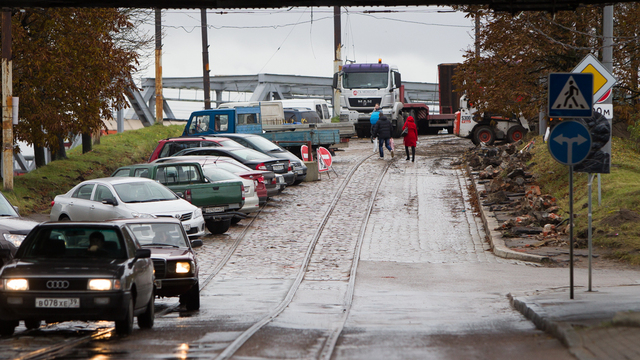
(603, 80)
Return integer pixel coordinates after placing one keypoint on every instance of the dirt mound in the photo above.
(621, 217)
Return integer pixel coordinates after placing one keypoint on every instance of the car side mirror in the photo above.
(16, 209)
(335, 80)
(196, 243)
(180, 195)
(110, 202)
(143, 254)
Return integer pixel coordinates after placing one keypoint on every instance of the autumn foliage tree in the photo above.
(517, 53)
(68, 72)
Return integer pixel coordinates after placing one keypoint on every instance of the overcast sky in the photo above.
(300, 41)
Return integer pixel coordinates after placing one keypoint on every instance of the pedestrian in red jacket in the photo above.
(411, 139)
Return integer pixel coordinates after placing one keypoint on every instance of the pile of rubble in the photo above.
(511, 189)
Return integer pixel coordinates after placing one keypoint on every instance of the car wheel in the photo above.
(124, 327)
(191, 299)
(7, 327)
(32, 324)
(516, 133)
(145, 320)
(64, 218)
(218, 227)
(484, 134)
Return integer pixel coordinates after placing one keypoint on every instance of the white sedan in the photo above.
(123, 198)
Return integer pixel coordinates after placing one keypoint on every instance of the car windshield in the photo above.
(69, 242)
(216, 173)
(365, 80)
(153, 234)
(250, 154)
(135, 192)
(264, 145)
(6, 209)
(230, 143)
(227, 166)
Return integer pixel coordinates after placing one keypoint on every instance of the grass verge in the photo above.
(34, 191)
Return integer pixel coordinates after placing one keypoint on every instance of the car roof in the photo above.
(197, 138)
(159, 220)
(118, 180)
(236, 135)
(79, 223)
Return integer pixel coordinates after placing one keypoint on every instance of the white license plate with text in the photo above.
(57, 302)
(278, 167)
(214, 209)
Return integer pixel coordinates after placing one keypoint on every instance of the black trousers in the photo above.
(413, 152)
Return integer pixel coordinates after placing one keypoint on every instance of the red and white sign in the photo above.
(304, 151)
(324, 159)
(355, 92)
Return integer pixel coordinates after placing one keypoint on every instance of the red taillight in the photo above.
(261, 166)
(261, 179)
(187, 195)
(52, 202)
(242, 188)
(289, 168)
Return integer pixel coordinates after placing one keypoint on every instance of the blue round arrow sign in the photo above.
(569, 142)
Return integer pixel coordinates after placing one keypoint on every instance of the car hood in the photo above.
(169, 253)
(17, 225)
(63, 267)
(162, 207)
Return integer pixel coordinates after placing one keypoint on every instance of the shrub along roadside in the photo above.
(34, 191)
(614, 228)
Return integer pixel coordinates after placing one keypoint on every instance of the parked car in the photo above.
(170, 146)
(301, 116)
(273, 183)
(220, 197)
(84, 271)
(217, 174)
(249, 157)
(123, 198)
(174, 261)
(13, 227)
(265, 146)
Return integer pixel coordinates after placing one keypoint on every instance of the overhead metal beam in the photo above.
(497, 5)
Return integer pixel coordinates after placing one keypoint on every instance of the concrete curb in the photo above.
(560, 330)
(495, 237)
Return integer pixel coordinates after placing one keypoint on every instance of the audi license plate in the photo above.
(214, 209)
(278, 167)
(57, 303)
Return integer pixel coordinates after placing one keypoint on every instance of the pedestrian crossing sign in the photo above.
(570, 95)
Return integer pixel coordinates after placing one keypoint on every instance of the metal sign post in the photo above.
(591, 176)
(569, 144)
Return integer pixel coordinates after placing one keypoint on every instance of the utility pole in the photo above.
(159, 116)
(477, 34)
(205, 60)
(337, 61)
(7, 108)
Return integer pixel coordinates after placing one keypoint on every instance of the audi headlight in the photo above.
(101, 284)
(15, 239)
(197, 213)
(17, 284)
(183, 267)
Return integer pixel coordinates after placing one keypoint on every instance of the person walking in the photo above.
(375, 115)
(411, 139)
(382, 130)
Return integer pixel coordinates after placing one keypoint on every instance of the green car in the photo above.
(220, 198)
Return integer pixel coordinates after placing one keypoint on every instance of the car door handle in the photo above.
(92, 207)
(216, 188)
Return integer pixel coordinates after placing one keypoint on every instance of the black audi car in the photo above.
(249, 157)
(84, 271)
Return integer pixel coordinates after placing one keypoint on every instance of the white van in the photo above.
(319, 105)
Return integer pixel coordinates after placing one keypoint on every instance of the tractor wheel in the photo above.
(516, 133)
(484, 134)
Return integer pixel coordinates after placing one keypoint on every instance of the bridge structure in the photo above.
(262, 87)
